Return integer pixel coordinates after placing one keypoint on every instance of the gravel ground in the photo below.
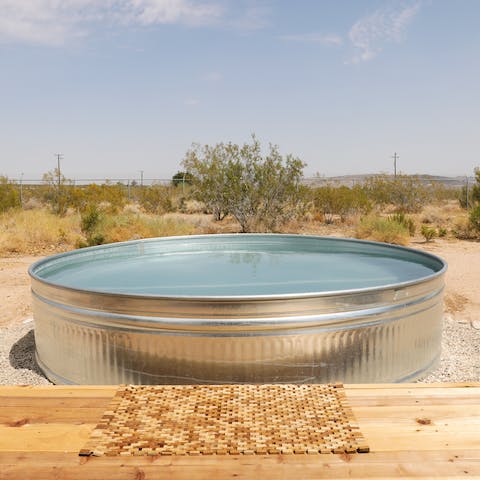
(460, 361)
(17, 358)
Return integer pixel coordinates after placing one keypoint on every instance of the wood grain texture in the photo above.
(413, 430)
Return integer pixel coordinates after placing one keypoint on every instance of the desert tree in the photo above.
(261, 191)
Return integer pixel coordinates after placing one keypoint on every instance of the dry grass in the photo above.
(131, 226)
(37, 231)
(383, 230)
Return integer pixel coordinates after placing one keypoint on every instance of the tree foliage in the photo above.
(331, 200)
(262, 192)
(405, 192)
(182, 179)
(472, 194)
(56, 192)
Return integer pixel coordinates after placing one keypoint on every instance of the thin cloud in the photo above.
(369, 34)
(315, 37)
(151, 12)
(191, 102)
(53, 22)
(212, 77)
(255, 16)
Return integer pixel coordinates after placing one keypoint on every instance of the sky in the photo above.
(123, 86)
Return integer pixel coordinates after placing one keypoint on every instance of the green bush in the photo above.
(405, 192)
(157, 199)
(407, 222)
(474, 218)
(340, 201)
(90, 223)
(428, 233)
(9, 195)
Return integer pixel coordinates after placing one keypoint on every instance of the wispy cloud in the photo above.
(315, 37)
(252, 15)
(369, 34)
(191, 102)
(212, 77)
(149, 12)
(54, 22)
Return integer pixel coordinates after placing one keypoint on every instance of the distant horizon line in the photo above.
(321, 177)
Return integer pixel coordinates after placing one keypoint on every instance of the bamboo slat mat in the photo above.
(226, 419)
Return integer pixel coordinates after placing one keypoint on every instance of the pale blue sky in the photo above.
(119, 86)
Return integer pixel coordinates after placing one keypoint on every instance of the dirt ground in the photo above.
(462, 299)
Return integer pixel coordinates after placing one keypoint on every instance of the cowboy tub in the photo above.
(253, 308)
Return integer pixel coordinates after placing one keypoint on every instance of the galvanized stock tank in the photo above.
(238, 308)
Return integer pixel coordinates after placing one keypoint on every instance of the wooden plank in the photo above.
(57, 391)
(430, 414)
(406, 399)
(430, 464)
(56, 437)
(52, 402)
(416, 386)
(13, 416)
(44, 427)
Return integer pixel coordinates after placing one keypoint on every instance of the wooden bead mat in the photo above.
(226, 419)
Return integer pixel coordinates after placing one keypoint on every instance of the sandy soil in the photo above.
(15, 289)
(462, 298)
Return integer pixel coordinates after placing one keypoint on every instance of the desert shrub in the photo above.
(9, 195)
(428, 233)
(383, 229)
(441, 193)
(157, 199)
(474, 218)
(406, 193)
(404, 220)
(470, 198)
(463, 230)
(262, 192)
(90, 224)
(442, 232)
(208, 168)
(56, 192)
(340, 201)
(111, 197)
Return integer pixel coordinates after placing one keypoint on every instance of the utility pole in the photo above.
(59, 157)
(466, 192)
(21, 189)
(395, 156)
(141, 178)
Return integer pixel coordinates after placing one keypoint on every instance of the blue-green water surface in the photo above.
(231, 271)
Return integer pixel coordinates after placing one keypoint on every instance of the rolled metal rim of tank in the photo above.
(441, 264)
(385, 332)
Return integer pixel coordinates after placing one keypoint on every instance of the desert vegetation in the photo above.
(232, 188)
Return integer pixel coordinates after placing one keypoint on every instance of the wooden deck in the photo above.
(413, 430)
